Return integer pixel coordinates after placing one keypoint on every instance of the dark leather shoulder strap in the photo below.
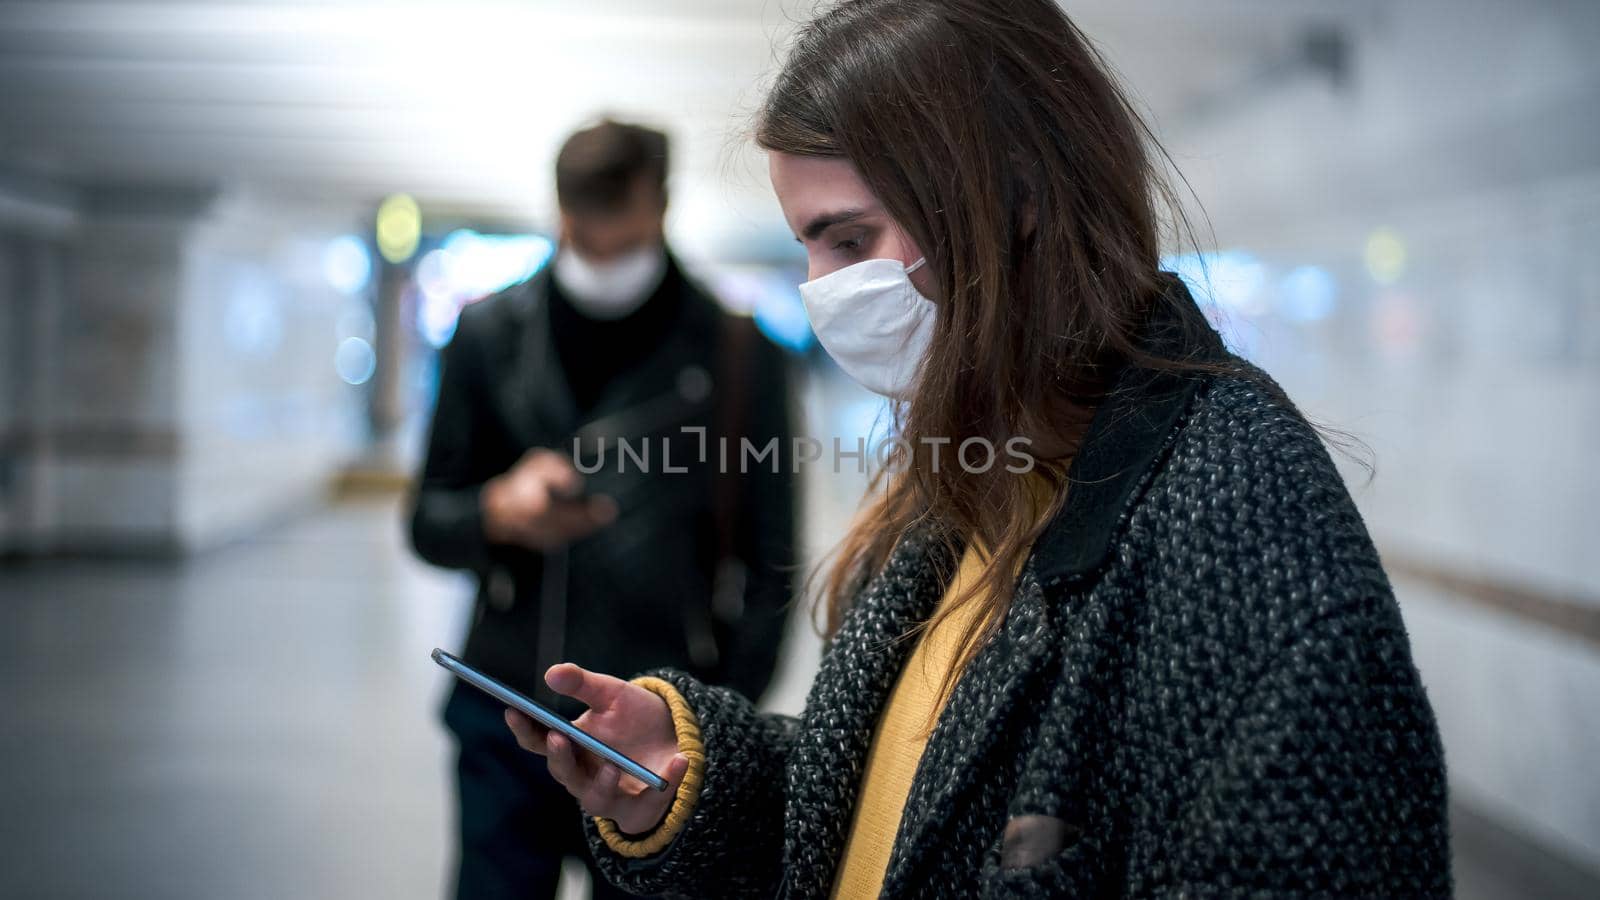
(732, 416)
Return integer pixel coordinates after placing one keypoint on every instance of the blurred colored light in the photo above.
(475, 265)
(399, 228)
(1385, 256)
(436, 318)
(781, 316)
(769, 296)
(355, 361)
(356, 321)
(346, 264)
(1236, 280)
(468, 266)
(1308, 294)
(432, 277)
(739, 288)
(1189, 267)
(1229, 279)
(252, 322)
(1397, 323)
(868, 417)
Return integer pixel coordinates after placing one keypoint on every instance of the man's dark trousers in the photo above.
(517, 823)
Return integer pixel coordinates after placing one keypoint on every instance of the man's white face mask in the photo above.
(873, 322)
(612, 289)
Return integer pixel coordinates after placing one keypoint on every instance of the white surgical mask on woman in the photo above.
(612, 289)
(874, 323)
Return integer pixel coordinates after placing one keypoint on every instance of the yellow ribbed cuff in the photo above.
(687, 728)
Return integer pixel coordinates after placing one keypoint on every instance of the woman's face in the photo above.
(837, 219)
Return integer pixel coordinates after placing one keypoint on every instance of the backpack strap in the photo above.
(732, 416)
(730, 412)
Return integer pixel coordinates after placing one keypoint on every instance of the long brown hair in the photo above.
(994, 136)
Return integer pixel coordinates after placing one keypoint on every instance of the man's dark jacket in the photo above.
(1203, 678)
(639, 593)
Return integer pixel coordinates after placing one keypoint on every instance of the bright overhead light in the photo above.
(399, 228)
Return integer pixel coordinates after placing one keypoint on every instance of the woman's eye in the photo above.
(848, 244)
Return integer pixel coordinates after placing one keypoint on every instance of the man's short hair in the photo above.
(598, 166)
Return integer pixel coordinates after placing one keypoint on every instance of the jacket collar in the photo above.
(538, 397)
(542, 410)
(1127, 433)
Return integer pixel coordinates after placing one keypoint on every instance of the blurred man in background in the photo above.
(653, 559)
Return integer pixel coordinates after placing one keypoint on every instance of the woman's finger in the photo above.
(677, 767)
(602, 794)
(530, 736)
(564, 764)
(594, 690)
(645, 809)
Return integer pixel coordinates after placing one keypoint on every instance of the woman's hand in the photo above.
(627, 717)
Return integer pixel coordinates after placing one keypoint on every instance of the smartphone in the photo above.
(547, 717)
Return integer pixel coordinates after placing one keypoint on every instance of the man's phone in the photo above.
(547, 717)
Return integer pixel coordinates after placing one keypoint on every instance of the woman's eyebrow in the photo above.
(824, 221)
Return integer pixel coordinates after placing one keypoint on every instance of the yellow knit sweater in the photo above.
(897, 745)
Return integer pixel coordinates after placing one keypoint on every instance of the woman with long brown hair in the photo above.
(1160, 658)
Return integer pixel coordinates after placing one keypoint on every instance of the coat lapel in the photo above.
(972, 745)
(537, 400)
(539, 405)
(1125, 439)
(842, 709)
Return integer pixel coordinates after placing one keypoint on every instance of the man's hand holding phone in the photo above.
(539, 504)
(629, 718)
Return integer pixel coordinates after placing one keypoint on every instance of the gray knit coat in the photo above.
(1203, 674)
